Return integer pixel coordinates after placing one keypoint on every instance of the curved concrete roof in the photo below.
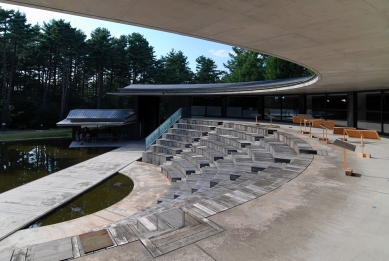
(217, 88)
(345, 42)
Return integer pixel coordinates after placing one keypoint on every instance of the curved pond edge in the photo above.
(149, 185)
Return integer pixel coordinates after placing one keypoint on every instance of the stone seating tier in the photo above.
(277, 148)
(198, 160)
(236, 175)
(252, 137)
(172, 173)
(155, 158)
(201, 122)
(173, 143)
(230, 140)
(293, 141)
(218, 146)
(187, 126)
(249, 128)
(165, 149)
(185, 166)
(187, 132)
(208, 153)
(182, 138)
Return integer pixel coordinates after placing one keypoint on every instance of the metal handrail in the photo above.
(162, 128)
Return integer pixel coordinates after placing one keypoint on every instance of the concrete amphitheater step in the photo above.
(198, 160)
(264, 130)
(201, 122)
(147, 223)
(230, 140)
(294, 142)
(179, 137)
(218, 146)
(169, 195)
(172, 173)
(244, 135)
(165, 149)
(173, 143)
(185, 166)
(187, 132)
(278, 149)
(186, 126)
(210, 154)
(186, 189)
(155, 158)
(204, 181)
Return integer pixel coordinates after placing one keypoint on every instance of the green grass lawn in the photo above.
(37, 135)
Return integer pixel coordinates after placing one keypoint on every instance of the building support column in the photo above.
(351, 106)
(302, 103)
(261, 106)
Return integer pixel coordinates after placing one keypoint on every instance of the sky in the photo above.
(161, 41)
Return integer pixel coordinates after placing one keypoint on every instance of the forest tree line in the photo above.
(50, 69)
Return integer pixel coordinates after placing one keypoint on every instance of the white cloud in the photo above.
(219, 53)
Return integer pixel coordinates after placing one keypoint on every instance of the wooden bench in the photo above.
(340, 130)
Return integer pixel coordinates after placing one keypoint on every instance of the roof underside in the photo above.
(98, 118)
(345, 42)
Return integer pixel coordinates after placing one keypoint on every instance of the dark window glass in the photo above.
(337, 101)
(249, 102)
(199, 101)
(369, 101)
(276, 112)
(273, 101)
(290, 102)
(214, 101)
(385, 101)
(234, 102)
(369, 120)
(316, 101)
(339, 116)
(319, 114)
(386, 122)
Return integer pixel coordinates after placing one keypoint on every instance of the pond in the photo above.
(100, 197)
(26, 161)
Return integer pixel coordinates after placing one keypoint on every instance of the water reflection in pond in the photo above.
(23, 162)
(100, 197)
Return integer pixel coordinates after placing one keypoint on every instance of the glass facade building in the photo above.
(364, 110)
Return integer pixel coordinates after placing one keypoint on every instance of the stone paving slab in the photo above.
(25, 204)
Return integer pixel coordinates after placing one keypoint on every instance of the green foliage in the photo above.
(37, 135)
(246, 66)
(175, 69)
(206, 70)
(47, 71)
(280, 69)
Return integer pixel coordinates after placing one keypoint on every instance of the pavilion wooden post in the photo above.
(256, 117)
(345, 146)
(344, 135)
(344, 160)
(271, 119)
(326, 127)
(305, 118)
(310, 128)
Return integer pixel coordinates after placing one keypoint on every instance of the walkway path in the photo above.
(25, 204)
